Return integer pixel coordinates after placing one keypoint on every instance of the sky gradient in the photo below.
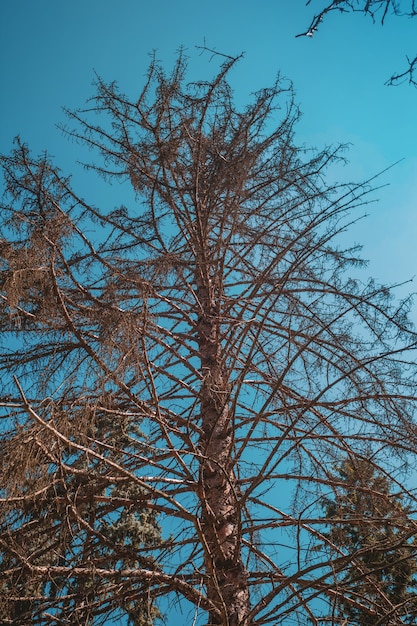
(50, 52)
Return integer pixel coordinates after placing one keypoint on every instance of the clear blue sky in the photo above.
(50, 50)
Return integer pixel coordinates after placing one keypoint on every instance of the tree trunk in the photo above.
(227, 585)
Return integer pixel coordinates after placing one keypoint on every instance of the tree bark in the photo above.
(227, 585)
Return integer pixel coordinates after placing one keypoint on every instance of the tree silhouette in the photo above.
(213, 311)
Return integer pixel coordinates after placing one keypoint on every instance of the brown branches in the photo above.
(377, 10)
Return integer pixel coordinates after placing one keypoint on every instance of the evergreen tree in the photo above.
(62, 509)
(369, 521)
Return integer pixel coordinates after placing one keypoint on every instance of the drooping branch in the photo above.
(378, 10)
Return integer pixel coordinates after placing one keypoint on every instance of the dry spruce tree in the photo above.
(179, 373)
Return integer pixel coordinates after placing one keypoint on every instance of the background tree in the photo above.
(62, 509)
(215, 312)
(377, 10)
(368, 519)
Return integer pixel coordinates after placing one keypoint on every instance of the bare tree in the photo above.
(377, 10)
(216, 314)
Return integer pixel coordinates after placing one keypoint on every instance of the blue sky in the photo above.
(50, 51)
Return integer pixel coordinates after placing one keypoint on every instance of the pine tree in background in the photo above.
(74, 512)
(369, 522)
